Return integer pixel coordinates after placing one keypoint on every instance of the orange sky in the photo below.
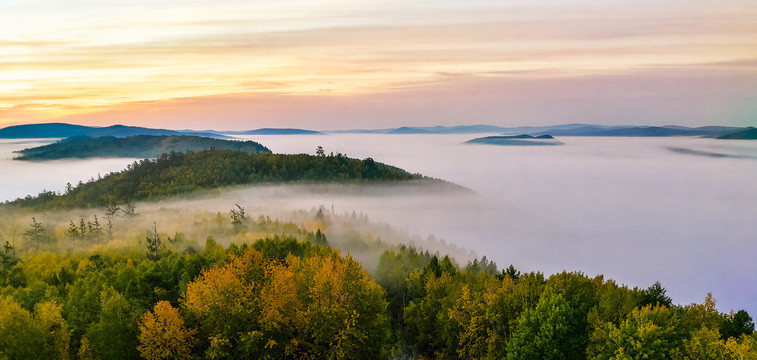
(344, 64)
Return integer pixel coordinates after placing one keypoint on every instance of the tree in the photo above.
(650, 332)
(316, 307)
(155, 248)
(163, 334)
(319, 238)
(130, 210)
(73, 232)
(511, 272)
(7, 257)
(58, 334)
(655, 295)
(737, 324)
(117, 316)
(319, 151)
(21, 336)
(703, 344)
(37, 233)
(95, 230)
(429, 330)
(238, 215)
(110, 213)
(547, 331)
(470, 314)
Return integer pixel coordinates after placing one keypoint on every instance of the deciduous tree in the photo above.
(163, 334)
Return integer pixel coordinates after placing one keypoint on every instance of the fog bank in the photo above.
(628, 208)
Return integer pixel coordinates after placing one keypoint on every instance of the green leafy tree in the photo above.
(8, 257)
(655, 294)
(95, 230)
(117, 316)
(737, 324)
(547, 331)
(703, 344)
(49, 314)
(155, 248)
(650, 332)
(37, 233)
(429, 330)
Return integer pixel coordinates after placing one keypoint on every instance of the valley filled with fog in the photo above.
(638, 210)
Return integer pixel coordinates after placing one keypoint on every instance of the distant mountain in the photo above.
(62, 130)
(140, 146)
(517, 140)
(642, 131)
(275, 131)
(749, 133)
(411, 130)
(462, 129)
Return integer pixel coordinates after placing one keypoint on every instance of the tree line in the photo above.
(179, 173)
(293, 296)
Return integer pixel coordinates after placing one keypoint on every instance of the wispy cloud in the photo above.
(100, 54)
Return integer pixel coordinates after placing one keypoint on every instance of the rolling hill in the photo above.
(179, 173)
(140, 146)
(62, 130)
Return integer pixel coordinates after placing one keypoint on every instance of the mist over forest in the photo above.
(604, 231)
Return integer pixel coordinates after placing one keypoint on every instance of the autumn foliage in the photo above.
(163, 334)
(316, 307)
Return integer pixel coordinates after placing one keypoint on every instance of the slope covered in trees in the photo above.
(140, 146)
(292, 296)
(178, 173)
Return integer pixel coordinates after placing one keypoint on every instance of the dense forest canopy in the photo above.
(176, 173)
(140, 146)
(114, 287)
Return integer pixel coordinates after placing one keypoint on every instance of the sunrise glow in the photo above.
(65, 60)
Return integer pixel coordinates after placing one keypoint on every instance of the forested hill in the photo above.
(177, 173)
(140, 146)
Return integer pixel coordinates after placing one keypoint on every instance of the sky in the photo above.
(337, 64)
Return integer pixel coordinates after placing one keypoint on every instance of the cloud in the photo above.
(121, 55)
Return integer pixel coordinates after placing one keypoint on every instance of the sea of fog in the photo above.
(679, 210)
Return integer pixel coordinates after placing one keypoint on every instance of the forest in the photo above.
(131, 282)
(189, 172)
(139, 146)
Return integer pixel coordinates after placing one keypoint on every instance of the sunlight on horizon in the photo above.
(61, 60)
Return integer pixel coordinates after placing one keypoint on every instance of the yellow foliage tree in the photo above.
(163, 334)
(49, 314)
(86, 351)
(317, 307)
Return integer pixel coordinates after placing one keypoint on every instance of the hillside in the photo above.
(140, 146)
(749, 133)
(61, 130)
(178, 173)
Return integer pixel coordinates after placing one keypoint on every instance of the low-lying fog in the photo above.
(678, 210)
(21, 178)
